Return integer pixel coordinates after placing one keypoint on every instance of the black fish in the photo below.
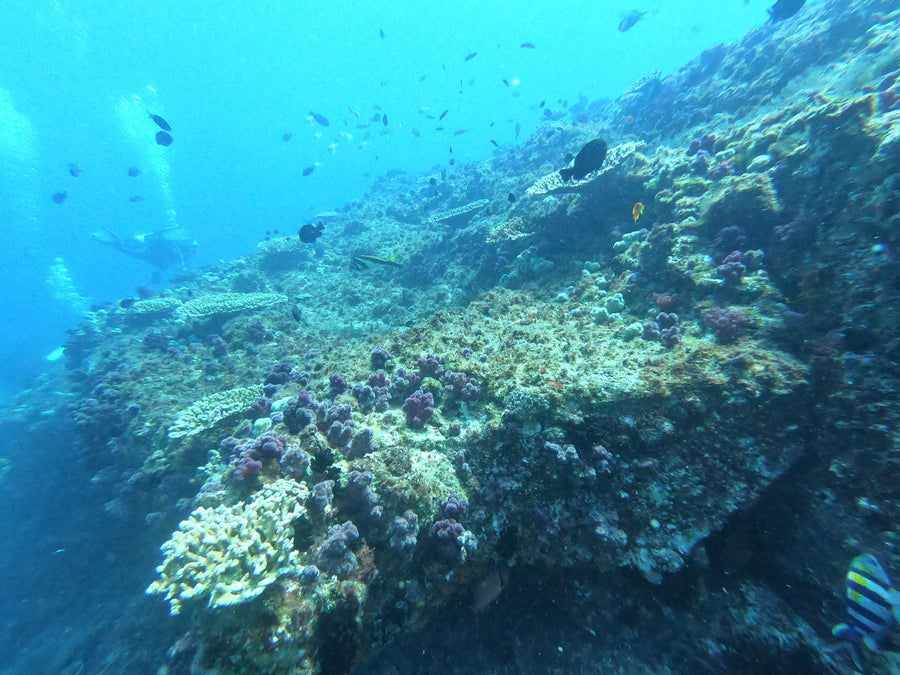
(134, 172)
(452, 161)
(511, 197)
(125, 303)
(590, 158)
(163, 138)
(543, 103)
(439, 128)
(136, 199)
(444, 114)
(451, 149)
(321, 119)
(308, 170)
(59, 197)
(630, 19)
(526, 45)
(160, 122)
(287, 136)
(518, 129)
(75, 170)
(568, 157)
(471, 56)
(784, 9)
(506, 82)
(309, 233)
(381, 33)
(384, 119)
(496, 145)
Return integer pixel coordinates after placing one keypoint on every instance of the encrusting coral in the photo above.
(230, 554)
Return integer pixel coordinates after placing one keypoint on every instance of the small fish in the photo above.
(353, 111)
(873, 606)
(511, 198)
(416, 133)
(308, 170)
(518, 129)
(631, 19)
(506, 82)
(75, 170)
(452, 161)
(496, 144)
(321, 119)
(460, 132)
(526, 45)
(543, 103)
(287, 136)
(439, 128)
(384, 119)
(136, 199)
(358, 260)
(309, 233)
(381, 33)
(451, 149)
(125, 303)
(160, 122)
(134, 172)
(422, 79)
(443, 114)
(784, 9)
(637, 210)
(376, 117)
(589, 159)
(59, 197)
(164, 139)
(471, 56)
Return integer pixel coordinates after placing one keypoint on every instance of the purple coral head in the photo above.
(271, 446)
(430, 366)
(247, 469)
(338, 384)
(380, 357)
(378, 380)
(419, 408)
(454, 507)
(261, 407)
(445, 535)
(725, 324)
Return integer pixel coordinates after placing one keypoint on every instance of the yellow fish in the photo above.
(637, 210)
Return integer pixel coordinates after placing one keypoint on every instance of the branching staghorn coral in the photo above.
(231, 554)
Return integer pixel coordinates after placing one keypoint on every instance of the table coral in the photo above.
(213, 408)
(226, 303)
(230, 554)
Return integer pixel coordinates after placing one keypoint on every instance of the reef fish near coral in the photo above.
(160, 122)
(631, 19)
(309, 233)
(637, 211)
(873, 605)
(784, 9)
(589, 158)
(164, 139)
(321, 119)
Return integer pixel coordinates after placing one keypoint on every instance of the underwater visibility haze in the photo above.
(470, 337)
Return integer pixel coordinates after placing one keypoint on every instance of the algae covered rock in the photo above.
(230, 554)
(226, 303)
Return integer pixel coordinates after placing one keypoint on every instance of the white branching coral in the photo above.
(230, 554)
(213, 408)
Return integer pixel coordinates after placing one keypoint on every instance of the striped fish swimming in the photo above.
(873, 607)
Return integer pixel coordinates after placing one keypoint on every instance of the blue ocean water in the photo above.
(79, 79)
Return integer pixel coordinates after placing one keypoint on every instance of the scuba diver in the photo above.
(161, 249)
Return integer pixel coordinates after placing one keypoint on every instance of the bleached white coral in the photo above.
(231, 554)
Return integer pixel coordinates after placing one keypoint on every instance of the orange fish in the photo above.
(637, 210)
